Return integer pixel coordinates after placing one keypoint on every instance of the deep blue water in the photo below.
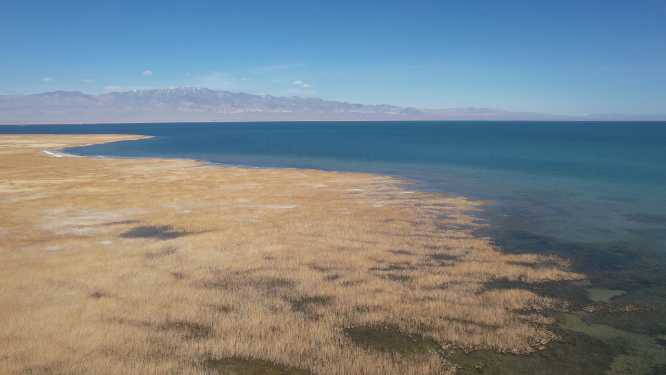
(574, 180)
(592, 192)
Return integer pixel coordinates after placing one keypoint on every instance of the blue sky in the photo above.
(564, 57)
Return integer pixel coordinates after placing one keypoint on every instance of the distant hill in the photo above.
(622, 117)
(201, 104)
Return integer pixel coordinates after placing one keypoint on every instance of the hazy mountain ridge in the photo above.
(201, 104)
(624, 116)
(190, 98)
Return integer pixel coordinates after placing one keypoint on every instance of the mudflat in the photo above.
(158, 266)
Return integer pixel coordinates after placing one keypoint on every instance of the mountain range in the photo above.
(178, 104)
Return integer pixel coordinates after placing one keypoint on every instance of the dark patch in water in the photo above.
(650, 322)
(617, 198)
(577, 354)
(646, 218)
(162, 233)
(634, 265)
(567, 291)
(587, 256)
(658, 370)
(389, 338)
(250, 366)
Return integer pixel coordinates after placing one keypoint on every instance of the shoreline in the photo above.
(401, 180)
(193, 267)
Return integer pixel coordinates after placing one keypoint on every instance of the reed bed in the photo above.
(152, 266)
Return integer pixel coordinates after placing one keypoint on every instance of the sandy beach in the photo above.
(158, 266)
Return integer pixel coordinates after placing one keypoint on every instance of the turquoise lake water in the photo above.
(592, 192)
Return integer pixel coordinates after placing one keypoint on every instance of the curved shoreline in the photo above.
(400, 180)
(295, 267)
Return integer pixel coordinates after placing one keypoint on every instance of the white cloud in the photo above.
(47, 79)
(275, 81)
(147, 73)
(245, 79)
(296, 91)
(303, 84)
(87, 80)
(112, 88)
(187, 74)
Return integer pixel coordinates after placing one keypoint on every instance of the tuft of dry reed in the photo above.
(266, 264)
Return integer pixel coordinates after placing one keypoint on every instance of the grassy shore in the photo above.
(153, 266)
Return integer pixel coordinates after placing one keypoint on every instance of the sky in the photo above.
(562, 57)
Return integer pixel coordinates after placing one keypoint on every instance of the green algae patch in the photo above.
(390, 339)
(577, 353)
(637, 353)
(646, 218)
(647, 321)
(250, 366)
(603, 295)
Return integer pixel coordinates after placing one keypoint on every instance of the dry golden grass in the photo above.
(256, 263)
